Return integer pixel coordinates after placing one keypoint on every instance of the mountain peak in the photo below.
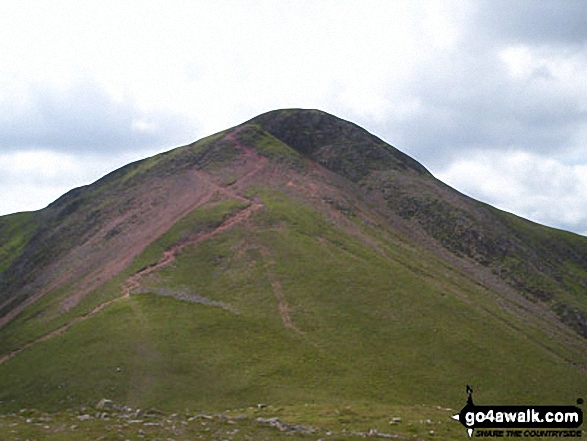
(339, 145)
(321, 260)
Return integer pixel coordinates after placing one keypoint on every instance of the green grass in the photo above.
(201, 219)
(559, 276)
(155, 351)
(46, 314)
(380, 327)
(373, 332)
(269, 146)
(170, 160)
(342, 421)
(381, 336)
(15, 232)
(337, 422)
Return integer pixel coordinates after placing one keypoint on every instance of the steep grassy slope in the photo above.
(114, 217)
(540, 262)
(290, 262)
(16, 231)
(292, 310)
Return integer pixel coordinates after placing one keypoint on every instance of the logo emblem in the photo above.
(508, 418)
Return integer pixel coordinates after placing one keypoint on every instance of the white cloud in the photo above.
(537, 188)
(81, 116)
(220, 62)
(30, 180)
(436, 79)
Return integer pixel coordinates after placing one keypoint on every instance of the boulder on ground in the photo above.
(105, 404)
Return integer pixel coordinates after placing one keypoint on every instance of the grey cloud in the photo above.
(533, 22)
(471, 103)
(83, 117)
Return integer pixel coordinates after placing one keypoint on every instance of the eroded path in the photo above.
(59, 330)
(169, 256)
(134, 281)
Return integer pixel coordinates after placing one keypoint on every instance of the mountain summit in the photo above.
(295, 258)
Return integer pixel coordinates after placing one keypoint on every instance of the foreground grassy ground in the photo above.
(260, 422)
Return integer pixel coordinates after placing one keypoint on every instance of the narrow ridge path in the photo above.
(133, 282)
(169, 256)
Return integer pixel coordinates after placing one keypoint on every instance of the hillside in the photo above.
(294, 259)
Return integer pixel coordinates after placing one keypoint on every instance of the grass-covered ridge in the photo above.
(367, 330)
(238, 270)
(46, 315)
(15, 232)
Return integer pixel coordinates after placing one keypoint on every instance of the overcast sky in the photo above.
(491, 96)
